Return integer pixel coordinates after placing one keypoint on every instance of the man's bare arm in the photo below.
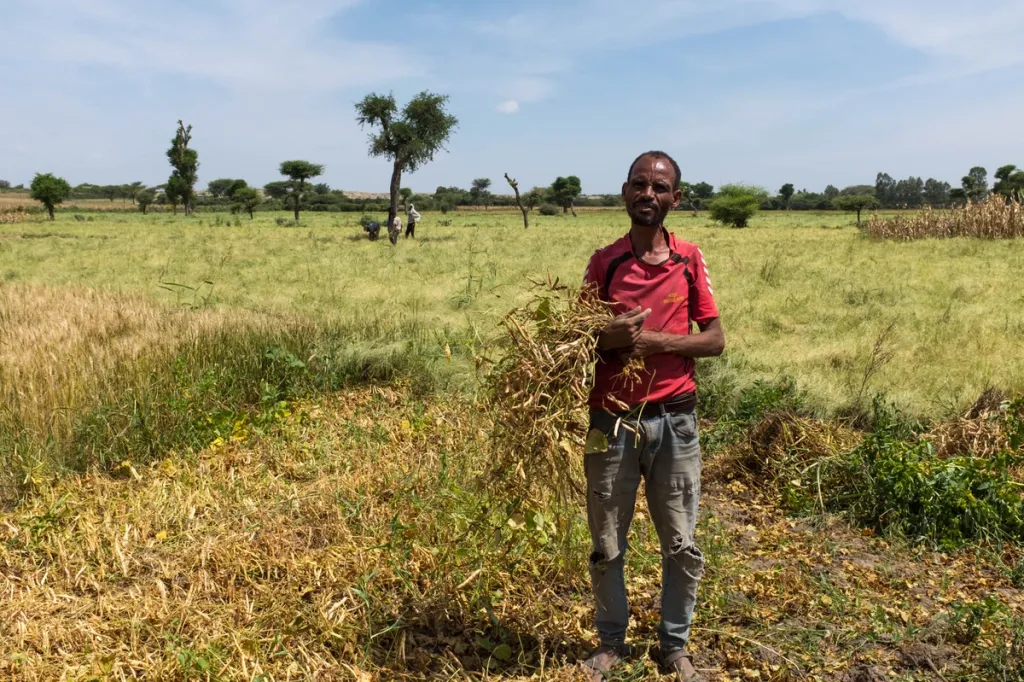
(709, 342)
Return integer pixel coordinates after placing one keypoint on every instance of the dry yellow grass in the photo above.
(12, 216)
(63, 350)
(9, 200)
(996, 218)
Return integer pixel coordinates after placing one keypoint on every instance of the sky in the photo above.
(812, 92)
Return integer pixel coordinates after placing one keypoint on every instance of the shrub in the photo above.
(895, 481)
(736, 204)
(549, 209)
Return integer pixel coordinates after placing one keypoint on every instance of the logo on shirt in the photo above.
(674, 298)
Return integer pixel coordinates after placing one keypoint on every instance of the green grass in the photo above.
(801, 294)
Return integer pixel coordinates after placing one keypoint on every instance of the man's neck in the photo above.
(648, 240)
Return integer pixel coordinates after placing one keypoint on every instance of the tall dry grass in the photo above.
(12, 216)
(94, 379)
(997, 218)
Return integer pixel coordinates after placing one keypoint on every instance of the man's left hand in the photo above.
(645, 344)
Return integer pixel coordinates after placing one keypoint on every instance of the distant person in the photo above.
(659, 287)
(372, 230)
(395, 229)
(413, 216)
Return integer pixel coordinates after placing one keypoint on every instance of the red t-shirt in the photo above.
(678, 292)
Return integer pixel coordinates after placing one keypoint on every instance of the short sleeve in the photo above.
(593, 276)
(702, 296)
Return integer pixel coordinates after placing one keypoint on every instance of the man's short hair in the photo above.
(657, 155)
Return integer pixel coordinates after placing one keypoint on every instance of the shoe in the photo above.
(602, 659)
(680, 664)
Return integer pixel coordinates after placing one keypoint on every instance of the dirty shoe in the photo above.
(603, 659)
(678, 663)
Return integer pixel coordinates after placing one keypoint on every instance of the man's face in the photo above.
(651, 191)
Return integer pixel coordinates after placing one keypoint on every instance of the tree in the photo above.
(405, 193)
(859, 189)
(299, 172)
(1009, 182)
(49, 191)
(479, 191)
(278, 189)
(185, 162)
(221, 187)
(885, 190)
(975, 183)
(247, 199)
(5, 184)
(688, 198)
(701, 193)
(564, 191)
(321, 188)
(786, 193)
(856, 202)
(936, 192)
(830, 193)
(908, 193)
(132, 191)
(736, 204)
(111, 192)
(408, 140)
(957, 196)
(174, 191)
(144, 198)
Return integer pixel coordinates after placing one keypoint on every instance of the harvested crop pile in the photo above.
(986, 429)
(538, 394)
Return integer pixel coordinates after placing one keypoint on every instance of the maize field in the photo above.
(996, 218)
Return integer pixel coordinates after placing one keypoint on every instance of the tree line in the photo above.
(411, 136)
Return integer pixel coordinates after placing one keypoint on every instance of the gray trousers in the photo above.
(664, 449)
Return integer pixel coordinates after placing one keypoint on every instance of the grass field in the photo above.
(930, 323)
(279, 466)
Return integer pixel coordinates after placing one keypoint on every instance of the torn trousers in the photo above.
(663, 449)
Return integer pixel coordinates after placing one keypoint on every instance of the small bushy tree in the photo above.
(247, 199)
(225, 188)
(786, 194)
(480, 192)
(299, 172)
(144, 198)
(49, 190)
(736, 204)
(5, 184)
(565, 191)
(856, 202)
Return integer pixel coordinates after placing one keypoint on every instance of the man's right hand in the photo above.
(623, 330)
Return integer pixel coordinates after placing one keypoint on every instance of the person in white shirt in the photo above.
(410, 228)
(395, 229)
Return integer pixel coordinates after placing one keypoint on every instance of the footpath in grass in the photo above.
(352, 542)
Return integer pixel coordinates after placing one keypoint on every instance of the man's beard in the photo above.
(653, 218)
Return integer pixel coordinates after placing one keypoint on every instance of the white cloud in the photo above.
(257, 43)
(509, 107)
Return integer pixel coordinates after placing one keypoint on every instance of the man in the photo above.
(658, 285)
(373, 230)
(413, 216)
(395, 229)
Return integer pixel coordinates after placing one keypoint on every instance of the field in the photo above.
(335, 528)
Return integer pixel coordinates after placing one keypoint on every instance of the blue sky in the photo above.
(759, 91)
